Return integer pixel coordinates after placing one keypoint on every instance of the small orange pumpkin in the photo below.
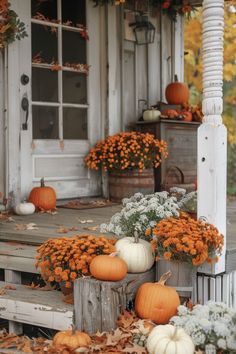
(187, 116)
(156, 301)
(170, 113)
(43, 197)
(72, 339)
(108, 267)
(177, 92)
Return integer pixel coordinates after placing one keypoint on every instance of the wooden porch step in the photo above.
(35, 307)
(18, 257)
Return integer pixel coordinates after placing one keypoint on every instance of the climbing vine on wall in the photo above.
(11, 27)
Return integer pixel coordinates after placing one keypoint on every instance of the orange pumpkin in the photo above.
(187, 116)
(109, 268)
(170, 113)
(156, 301)
(72, 339)
(177, 92)
(43, 197)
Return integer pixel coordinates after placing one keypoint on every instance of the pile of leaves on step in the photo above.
(129, 337)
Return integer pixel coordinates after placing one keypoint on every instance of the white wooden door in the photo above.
(63, 94)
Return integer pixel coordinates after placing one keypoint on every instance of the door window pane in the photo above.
(45, 122)
(74, 123)
(74, 12)
(74, 87)
(44, 85)
(73, 48)
(47, 10)
(44, 43)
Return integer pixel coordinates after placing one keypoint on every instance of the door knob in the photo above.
(25, 107)
(24, 79)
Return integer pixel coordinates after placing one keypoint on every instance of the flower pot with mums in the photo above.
(129, 158)
(62, 260)
(184, 244)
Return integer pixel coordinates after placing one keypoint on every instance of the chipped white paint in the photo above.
(39, 308)
(212, 134)
(220, 288)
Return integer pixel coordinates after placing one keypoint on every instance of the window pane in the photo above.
(73, 11)
(74, 87)
(44, 43)
(74, 123)
(45, 122)
(47, 9)
(73, 48)
(44, 85)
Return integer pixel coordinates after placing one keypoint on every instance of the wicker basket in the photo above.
(169, 180)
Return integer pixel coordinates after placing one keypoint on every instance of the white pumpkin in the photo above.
(24, 209)
(151, 115)
(168, 339)
(136, 253)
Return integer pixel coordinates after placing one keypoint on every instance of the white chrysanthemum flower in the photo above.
(231, 341)
(182, 310)
(221, 329)
(222, 343)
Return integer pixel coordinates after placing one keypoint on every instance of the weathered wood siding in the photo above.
(2, 147)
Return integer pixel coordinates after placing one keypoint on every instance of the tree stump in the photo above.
(99, 303)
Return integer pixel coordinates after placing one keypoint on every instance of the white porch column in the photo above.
(212, 134)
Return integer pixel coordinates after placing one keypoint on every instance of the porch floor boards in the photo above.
(20, 257)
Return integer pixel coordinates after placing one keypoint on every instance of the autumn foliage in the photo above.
(127, 151)
(68, 258)
(187, 240)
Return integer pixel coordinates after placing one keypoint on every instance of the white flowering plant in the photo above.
(187, 201)
(142, 212)
(213, 324)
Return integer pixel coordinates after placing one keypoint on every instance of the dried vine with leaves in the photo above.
(11, 27)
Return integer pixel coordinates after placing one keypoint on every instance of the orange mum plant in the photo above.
(68, 258)
(127, 151)
(186, 240)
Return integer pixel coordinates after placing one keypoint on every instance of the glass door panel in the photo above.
(59, 69)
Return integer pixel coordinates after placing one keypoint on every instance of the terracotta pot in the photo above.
(124, 184)
(64, 290)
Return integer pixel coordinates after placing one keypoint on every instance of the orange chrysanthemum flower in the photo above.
(187, 240)
(127, 151)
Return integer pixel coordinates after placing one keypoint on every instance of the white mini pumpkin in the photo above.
(136, 253)
(24, 209)
(151, 115)
(168, 339)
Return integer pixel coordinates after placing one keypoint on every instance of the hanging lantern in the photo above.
(144, 30)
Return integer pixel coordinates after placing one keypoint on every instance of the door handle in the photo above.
(25, 107)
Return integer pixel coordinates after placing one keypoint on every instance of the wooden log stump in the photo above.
(99, 303)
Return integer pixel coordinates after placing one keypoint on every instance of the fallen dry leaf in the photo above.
(65, 230)
(91, 228)
(5, 216)
(33, 286)
(85, 221)
(2, 291)
(23, 227)
(9, 287)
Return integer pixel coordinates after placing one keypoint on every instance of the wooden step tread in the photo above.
(35, 307)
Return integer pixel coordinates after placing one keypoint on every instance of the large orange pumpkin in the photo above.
(43, 197)
(72, 339)
(156, 301)
(109, 268)
(177, 92)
